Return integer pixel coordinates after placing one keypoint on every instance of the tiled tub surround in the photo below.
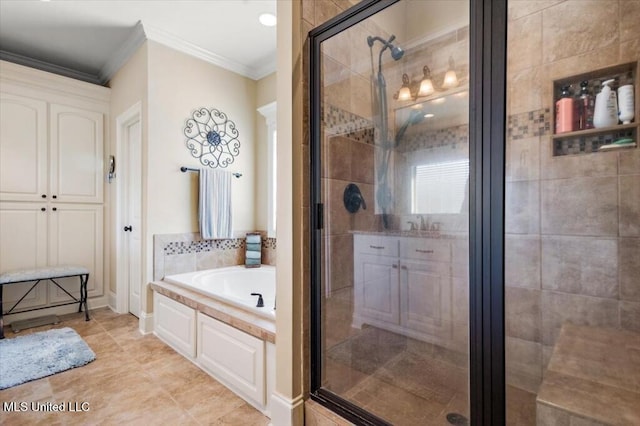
(193, 323)
(178, 253)
(572, 222)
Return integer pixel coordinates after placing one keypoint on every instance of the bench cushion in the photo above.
(42, 273)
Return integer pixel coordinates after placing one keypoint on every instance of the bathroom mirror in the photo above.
(432, 155)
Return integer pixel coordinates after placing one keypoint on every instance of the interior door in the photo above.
(133, 221)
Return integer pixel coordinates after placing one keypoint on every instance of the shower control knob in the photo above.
(128, 228)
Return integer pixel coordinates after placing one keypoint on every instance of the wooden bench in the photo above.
(49, 273)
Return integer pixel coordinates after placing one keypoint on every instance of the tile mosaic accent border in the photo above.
(176, 253)
(456, 137)
(337, 121)
(529, 124)
(183, 247)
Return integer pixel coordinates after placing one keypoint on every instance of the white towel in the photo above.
(215, 204)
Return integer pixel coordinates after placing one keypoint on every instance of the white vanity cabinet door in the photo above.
(175, 324)
(377, 294)
(234, 357)
(23, 148)
(426, 299)
(76, 155)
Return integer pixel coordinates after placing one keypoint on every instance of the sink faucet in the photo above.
(413, 225)
(424, 225)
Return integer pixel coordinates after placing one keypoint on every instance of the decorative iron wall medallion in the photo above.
(212, 138)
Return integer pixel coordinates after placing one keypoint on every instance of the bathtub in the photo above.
(233, 285)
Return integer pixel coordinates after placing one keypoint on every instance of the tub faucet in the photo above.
(260, 303)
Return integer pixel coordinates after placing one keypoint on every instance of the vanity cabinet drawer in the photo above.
(425, 249)
(381, 246)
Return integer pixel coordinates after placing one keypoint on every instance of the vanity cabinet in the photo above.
(406, 287)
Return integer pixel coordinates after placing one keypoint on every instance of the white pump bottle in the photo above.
(606, 109)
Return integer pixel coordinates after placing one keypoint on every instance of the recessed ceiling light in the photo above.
(267, 19)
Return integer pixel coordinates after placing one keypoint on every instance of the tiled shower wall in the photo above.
(572, 222)
(178, 253)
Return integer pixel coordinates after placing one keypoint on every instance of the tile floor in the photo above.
(403, 380)
(135, 380)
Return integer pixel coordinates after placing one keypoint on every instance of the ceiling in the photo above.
(91, 40)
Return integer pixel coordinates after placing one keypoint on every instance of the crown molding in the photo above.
(48, 67)
(120, 57)
(177, 43)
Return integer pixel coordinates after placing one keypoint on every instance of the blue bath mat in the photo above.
(41, 354)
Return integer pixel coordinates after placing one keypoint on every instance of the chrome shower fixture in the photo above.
(396, 51)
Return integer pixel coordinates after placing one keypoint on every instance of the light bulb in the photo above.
(450, 79)
(426, 87)
(404, 94)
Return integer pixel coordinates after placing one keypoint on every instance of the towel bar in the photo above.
(184, 169)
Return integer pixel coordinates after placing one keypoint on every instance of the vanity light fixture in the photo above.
(268, 19)
(415, 89)
(450, 78)
(429, 115)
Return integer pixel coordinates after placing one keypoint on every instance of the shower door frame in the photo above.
(488, 40)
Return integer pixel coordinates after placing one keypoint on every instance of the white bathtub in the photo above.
(234, 285)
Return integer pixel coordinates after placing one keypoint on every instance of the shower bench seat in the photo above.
(592, 378)
(49, 273)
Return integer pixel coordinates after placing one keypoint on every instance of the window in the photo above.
(269, 113)
(439, 188)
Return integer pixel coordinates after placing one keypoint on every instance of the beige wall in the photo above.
(128, 86)
(179, 84)
(171, 85)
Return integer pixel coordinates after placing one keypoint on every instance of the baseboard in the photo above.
(146, 323)
(285, 411)
(113, 301)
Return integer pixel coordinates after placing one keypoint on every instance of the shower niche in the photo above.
(596, 140)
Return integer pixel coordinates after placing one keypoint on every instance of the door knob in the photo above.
(128, 228)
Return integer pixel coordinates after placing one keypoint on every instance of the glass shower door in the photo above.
(393, 181)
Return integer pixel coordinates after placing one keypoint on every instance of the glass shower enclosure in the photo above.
(392, 189)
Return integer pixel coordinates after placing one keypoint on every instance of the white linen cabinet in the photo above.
(52, 141)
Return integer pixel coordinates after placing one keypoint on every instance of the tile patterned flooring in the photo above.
(135, 380)
(404, 381)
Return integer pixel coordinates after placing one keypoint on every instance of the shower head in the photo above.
(396, 51)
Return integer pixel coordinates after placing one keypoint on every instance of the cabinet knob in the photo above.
(404, 267)
(44, 195)
(55, 209)
(394, 266)
(55, 196)
(43, 209)
(128, 228)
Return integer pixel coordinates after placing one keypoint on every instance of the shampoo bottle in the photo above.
(626, 106)
(586, 103)
(564, 111)
(606, 109)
